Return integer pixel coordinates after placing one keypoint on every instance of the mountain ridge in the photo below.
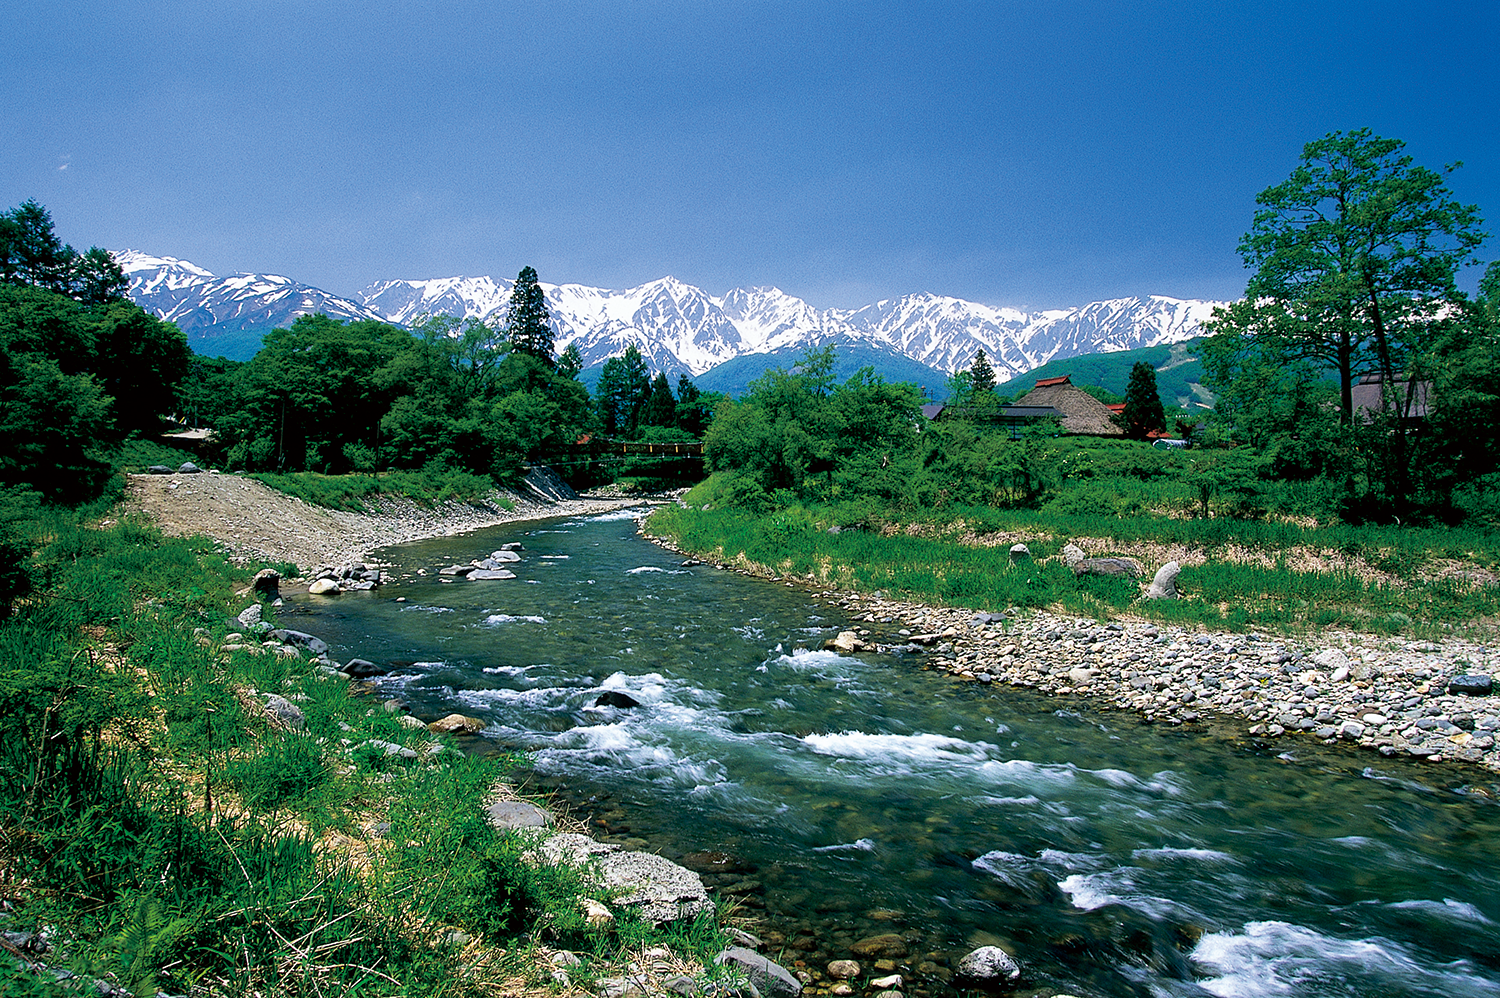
(678, 328)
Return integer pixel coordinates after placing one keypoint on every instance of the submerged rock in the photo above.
(989, 966)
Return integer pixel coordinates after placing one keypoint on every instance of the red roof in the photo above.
(1064, 380)
(1116, 406)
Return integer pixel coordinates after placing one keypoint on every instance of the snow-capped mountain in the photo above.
(203, 305)
(679, 328)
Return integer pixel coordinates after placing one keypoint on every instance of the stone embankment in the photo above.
(1428, 700)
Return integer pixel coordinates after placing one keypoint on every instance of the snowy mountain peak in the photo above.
(678, 327)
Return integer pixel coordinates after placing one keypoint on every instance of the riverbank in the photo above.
(252, 521)
(1391, 695)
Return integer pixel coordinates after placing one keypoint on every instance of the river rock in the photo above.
(482, 574)
(847, 641)
(1109, 566)
(285, 713)
(508, 814)
(266, 585)
(888, 944)
(1072, 554)
(456, 724)
(361, 668)
(1020, 552)
(324, 587)
(301, 639)
(188, 468)
(989, 966)
(770, 978)
(1473, 685)
(158, 469)
(456, 570)
(843, 970)
(250, 616)
(1164, 585)
(1331, 660)
(504, 556)
(614, 698)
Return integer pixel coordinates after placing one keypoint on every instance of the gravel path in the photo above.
(255, 522)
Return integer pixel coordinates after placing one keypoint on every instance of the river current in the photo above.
(860, 795)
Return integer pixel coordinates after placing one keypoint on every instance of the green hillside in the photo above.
(1179, 375)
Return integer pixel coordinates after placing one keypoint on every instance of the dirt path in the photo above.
(255, 522)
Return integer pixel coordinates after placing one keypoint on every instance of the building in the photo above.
(1081, 412)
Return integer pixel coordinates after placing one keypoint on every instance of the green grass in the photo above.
(152, 814)
(356, 492)
(1222, 592)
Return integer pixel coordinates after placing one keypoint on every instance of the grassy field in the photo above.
(171, 834)
(1282, 575)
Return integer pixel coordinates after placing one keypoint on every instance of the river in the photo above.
(854, 796)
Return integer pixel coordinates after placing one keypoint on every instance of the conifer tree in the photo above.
(528, 321)
(1143, 411)
(983, 375)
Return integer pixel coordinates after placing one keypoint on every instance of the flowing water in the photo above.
(858, 796)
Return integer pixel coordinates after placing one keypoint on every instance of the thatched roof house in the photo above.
(1081, 412)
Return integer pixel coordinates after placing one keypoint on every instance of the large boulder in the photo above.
(989, 966)
(267, 584)
(284, 713)
(508, 814)
(324, 587)
(1478, 685)
(1164, 585)
(301, 639)
(656, 887)
(482, 574)
(770, 978)
(456, 724)
(1122, 567)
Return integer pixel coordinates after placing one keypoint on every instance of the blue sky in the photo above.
(1034, 154)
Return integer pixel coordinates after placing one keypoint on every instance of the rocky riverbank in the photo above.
(255, 522)
(1429, 700)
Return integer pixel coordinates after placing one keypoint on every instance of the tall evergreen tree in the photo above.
(983, 374)
(527, 320)
(1143, 411)
(624, 386)
(661, 407)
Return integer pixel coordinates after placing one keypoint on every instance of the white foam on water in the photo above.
(422, 608)
(496, 619)
(519, 671)
(1088, 891)
(1165, 782)
(646, 569)
(1017, 868)
(858, 845)
(919, 748)
(1027, 801)
(555, 557)
(632, 513)
(1280, 958)
(1448, 909)
(1195, 855)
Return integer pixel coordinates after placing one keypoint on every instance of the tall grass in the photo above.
(1222, 592)
(357, 492)
(152, 814)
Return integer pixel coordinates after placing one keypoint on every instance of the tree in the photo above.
(527, 319)
(1354, 256)
(624, 385)
(661, 407)
(1143, 411)
(31, 254)
(982, 374)
(570, 362)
